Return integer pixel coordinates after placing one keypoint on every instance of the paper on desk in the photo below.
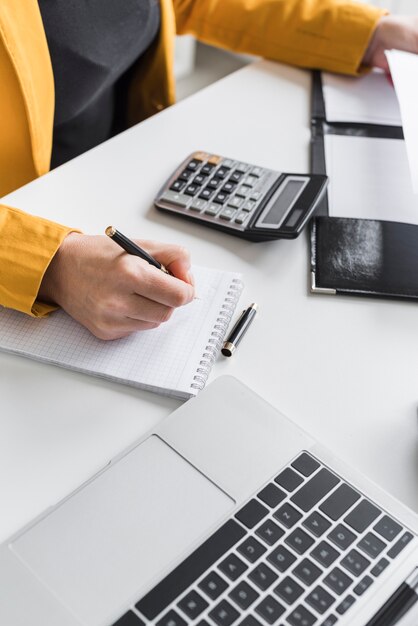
(404, 69)
(368, 99)
(369, 178)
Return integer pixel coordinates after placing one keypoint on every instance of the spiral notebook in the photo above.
(174, 359)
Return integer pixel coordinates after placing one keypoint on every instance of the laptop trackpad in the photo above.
(109, 542)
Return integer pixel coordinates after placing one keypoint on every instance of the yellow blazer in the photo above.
(327, 34)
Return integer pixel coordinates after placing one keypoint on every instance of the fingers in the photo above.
(174, 258)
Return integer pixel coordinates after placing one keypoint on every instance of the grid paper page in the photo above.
(174, 359)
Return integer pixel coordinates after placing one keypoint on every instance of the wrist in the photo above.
(54, 277)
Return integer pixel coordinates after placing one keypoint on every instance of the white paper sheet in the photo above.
(368, 99)
(369, 178)
(404, 70)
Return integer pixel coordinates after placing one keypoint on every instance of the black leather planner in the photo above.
(357, 256)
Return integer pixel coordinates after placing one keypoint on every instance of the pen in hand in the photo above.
(132, 248)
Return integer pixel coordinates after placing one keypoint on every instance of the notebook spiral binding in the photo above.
(217, 335)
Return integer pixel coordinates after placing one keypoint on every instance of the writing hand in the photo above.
(113, 293)
(398, 32)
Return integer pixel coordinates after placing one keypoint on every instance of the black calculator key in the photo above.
(387, 528)
(172, 618)
(206, 193)
(301, 617)
(191, 190)
(362, 516)
(379, 567)
(288, 590)
(345, 605)
(178, 185)
(207, 168)
(325, 554)
(315, 489)
(316, 524)
(320, 599)
(214, 183)
(400, 545)
(244, 595)
(305, 464)
(193, 164)
(224, 614)
(288, 479)
(199, 179)
(287, 515)
(271, 495)
(281, 558)
(222, 172)
(270, 609)
(186, 175)
(341, 536)
(193, 604)
(235, 176)
(337, 581)
(371, 545)
(252, 513)
(251, 549)
(355, 562)
(307, 572)
(299, 541)
(363, 585)
(229, 187)
(339, 501)
(221, 198)
(269, 532)
(232, 567)
(213, 585)
(262, 576)
(129, 619)
(249, 620)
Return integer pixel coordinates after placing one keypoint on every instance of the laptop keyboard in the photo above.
(301, 552)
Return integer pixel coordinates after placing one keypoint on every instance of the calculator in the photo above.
(241, 199)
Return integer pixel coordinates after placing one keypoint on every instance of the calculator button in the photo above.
(235, 177)
(199, 179)
(191, 190)
(257, 172)
(228, 187)
(193, 164)
(241, 217)
(207, 168)
(186, 175)
(214, 159)
(242, 191)
(222, 172)
(221, 198)
(249, 205)
(214, 183)
(242, 167)
(235, 202)
(206, 193)
(198, 205)
(227, 163)
(177, 185)
(256, 195)
(175, 198)
(212, 209)
(227, 213)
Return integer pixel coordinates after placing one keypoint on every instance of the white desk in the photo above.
(345, 369)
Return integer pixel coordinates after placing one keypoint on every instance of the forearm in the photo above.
(327, 34)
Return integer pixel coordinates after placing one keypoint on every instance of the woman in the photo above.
(75, 73)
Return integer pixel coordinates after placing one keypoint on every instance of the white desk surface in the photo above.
(343, 368)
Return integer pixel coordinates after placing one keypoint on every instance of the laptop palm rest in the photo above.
(153, 500)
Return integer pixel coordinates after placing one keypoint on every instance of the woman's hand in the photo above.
(113, 293)
(398, 32)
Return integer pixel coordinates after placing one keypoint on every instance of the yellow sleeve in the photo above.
(27, 245)
(324, 34)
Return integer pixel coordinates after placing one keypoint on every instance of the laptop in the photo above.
(226, 514)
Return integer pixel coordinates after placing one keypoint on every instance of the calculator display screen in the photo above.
(282, 202)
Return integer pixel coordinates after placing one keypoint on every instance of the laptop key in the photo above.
(269, 532)
(163, 594)
(287, 515)
(355, 563)
(362, 516)
(213, 585)
(314, 490)
(345, 605)
(379, 567)
(341, 536)
(172, 618)
(337, 581)
(301, 617)
(325, 554)
(271, 495)
(387, 528)
(252, 513)
(288, 479)
(330, 621)
(249, 620)
(371, 545)
(305, 464)
(262, 576)
(363, 585)
(244, 595)
(288, 590)
(251, 549)
(232, 567)
(270, 609)
(339, 501)
(281, 558)
(299, 541)
(320, 599)
(224, 614)
(129, 619)
(400, 545)
(316, 524)
(307, 572)
(193, 604)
